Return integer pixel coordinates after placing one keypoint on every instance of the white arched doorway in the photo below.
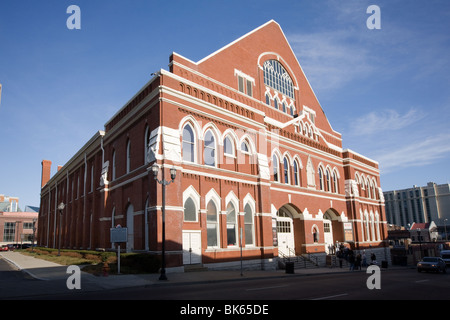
(285, 233)
(130, 228)
(328, 231)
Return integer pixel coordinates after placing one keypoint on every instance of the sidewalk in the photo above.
(46, 271)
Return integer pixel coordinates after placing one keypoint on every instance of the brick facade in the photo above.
(272, 172)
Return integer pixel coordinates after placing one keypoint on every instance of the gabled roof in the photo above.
(247, 55)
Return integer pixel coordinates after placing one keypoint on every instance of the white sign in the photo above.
(119, 234)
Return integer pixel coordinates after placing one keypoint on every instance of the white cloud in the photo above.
(416, 153)
(388, 120)
(330, 59)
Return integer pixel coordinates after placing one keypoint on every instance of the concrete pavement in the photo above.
(47, 271)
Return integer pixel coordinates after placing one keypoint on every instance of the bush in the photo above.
(129, 262)
(140, 262)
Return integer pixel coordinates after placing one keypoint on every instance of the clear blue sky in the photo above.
(386, 91)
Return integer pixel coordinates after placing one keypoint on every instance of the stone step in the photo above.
(194, 268)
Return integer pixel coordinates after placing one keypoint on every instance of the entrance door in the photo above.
(192, 247)
(130, 227)
(328, 234)
(285, 233)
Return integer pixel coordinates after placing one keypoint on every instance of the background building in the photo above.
(259, 167)
(16, 226)
(430, 203)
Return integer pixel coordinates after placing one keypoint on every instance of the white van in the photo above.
(445, 255)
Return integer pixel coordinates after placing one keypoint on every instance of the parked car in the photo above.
(445, 255)
(11, 246)
(4, 248)
(431, 264)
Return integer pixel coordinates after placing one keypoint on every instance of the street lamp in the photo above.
(164, 183)
(34, 234)
(61, 207)
(445, 229)
(420, 243)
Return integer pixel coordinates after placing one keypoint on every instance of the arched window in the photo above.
(275, 102)
(275, 165)
(372, 226)
(146, 143)
(286, 170)
(211, 224)
(328, 180)
(228, 148)
(210, 149)
(366, 222)
(321, 182)
(267, 99)
(377, 222)
(276, 77)
(244, 147)
(190, 212)
(231, 225)
(315, 234)
(296, 174)
(113, 174)
(128, 156)
(188, 144)
(284, 107)
(335, 182)
(248, 225)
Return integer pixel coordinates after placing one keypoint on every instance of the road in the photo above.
(403, 284)
(395, 284)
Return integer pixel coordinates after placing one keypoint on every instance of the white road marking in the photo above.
(330, 297)
(265, 288)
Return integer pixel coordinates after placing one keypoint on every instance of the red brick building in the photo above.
(256, 160)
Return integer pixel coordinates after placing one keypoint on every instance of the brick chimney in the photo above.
(46, 166)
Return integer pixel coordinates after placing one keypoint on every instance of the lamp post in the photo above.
(164, 183)
(61, 207)
(445, 229)
(420, 243)
(34, 234)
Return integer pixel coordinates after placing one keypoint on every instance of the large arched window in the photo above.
(275, 165)
(248, 225)
(276, 77)
(296, 174)
(228, 146)
(113, 174)
(190, 212)
(328, 180)
(188, 144)
(211, 224)
(286, 170)
(231, 225)
(335, 182)
(146, 143)
(210, 149)
(321, 178)
(128, 156)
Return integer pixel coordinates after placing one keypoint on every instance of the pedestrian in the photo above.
(373, 259)
(351, 260)
(364, 259)
(340, 257)
(358, 262)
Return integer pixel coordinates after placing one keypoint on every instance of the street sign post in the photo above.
(118, 235)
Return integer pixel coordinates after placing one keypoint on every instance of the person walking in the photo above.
(358, 262)
(364, 259)
(351, 260)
